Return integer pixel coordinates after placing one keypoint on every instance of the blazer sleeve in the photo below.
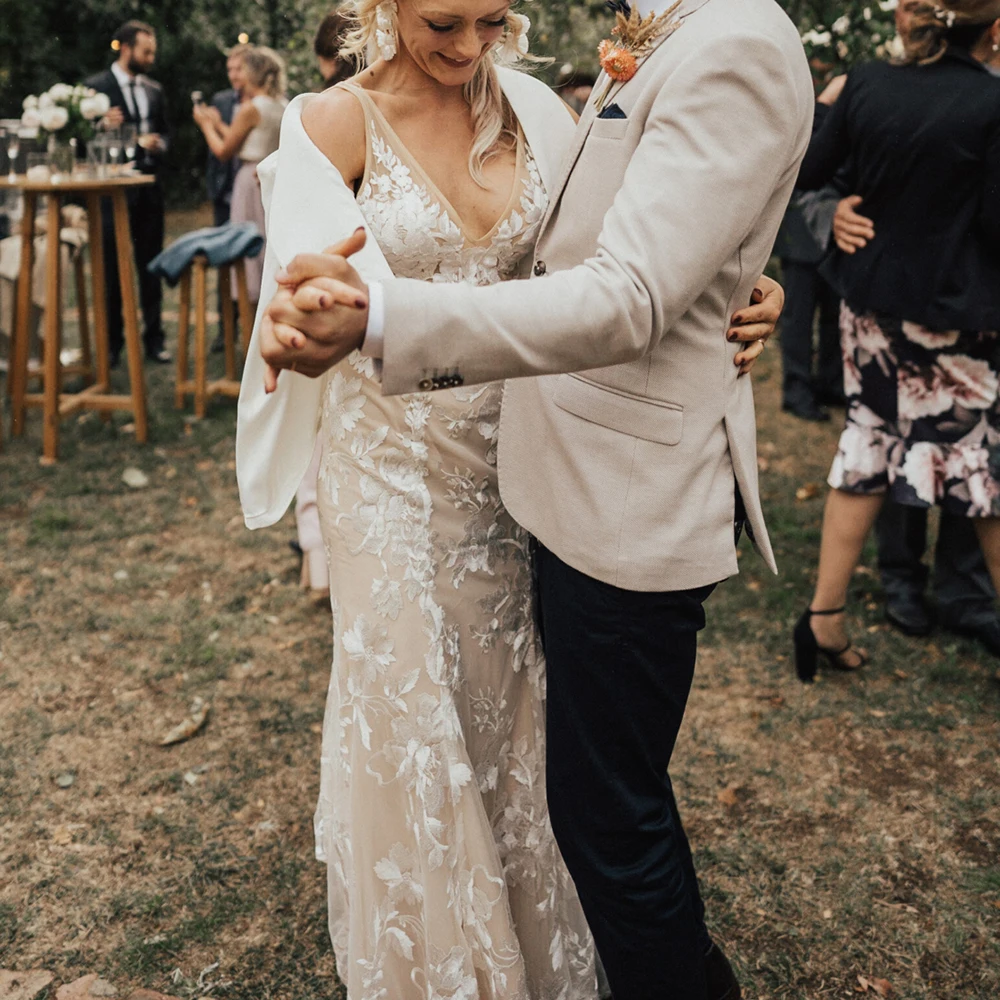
(718, 141)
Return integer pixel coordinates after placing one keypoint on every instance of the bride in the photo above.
(445, 882)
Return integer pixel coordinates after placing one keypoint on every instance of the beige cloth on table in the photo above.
(73, 239)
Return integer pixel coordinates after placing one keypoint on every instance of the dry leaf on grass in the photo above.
(189, 727)
(807, 492)
(728, 796)
(880, 987)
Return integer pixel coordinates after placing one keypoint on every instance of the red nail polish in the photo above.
(361, 303)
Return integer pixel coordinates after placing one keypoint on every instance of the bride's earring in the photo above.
(385, 29)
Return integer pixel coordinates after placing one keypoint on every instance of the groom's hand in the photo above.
(319, 314)
(756, 323)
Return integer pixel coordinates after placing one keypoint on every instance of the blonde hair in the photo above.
(265, 69)
(495, 128)
(937, 26)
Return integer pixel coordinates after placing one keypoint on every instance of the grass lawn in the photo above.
(844, 830)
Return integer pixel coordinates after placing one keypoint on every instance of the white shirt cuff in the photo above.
(374, 342)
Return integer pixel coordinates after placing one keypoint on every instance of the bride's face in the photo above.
(447, 39)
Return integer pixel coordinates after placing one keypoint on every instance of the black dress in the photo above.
(922, 301)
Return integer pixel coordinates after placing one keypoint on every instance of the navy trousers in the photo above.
(620, 666)
(962, 586)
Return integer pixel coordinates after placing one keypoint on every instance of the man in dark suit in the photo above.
(137, 100)
(219, 176)
(802, 244)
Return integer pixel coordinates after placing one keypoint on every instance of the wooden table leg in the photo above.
(18, 383)
(228, 320)
(133, 347)
(243, 301)
(83, 317)
(99, 290)
(53, 331)
(200, 348)
(183, 324)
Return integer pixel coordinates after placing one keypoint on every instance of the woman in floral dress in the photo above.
(921, 303)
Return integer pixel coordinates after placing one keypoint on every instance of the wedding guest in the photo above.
(964, 598)
(802, 243)
(921, 367)
(136, 100)
(219, 176)
(253, 135)
(327, 44)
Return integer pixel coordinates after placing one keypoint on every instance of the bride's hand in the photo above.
(756, 323)
(313, 339)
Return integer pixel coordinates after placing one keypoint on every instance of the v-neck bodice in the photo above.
(417, 228)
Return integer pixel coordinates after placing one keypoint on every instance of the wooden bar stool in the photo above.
(54, 403)
(199, 387)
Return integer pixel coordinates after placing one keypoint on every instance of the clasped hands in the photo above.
(320, 315)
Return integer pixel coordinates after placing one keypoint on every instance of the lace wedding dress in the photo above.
(445, 882)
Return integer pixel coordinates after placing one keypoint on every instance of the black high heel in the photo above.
(808, 650)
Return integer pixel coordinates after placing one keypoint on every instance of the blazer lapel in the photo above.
(586, 123)
(117, 95)
(682, 12)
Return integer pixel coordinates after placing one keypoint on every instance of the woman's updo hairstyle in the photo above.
(936, 27)
(265, 69)
(493, 120)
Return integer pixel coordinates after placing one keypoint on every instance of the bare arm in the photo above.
(335, 122)
(226, 141)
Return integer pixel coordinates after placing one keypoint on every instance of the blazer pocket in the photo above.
(609, 128)
(636, 416)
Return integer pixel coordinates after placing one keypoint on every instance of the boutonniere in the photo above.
(634, 38)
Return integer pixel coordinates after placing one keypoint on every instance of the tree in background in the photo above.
(837, 34)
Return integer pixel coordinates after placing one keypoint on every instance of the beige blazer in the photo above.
(623, 453)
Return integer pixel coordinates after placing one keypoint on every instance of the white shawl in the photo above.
(308, 207)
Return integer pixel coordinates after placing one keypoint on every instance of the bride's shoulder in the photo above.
(335, 122)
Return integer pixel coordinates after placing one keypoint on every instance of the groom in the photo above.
(637, 475)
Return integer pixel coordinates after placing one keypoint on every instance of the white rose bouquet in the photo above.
(70, 112)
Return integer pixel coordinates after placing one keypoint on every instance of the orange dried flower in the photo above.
(618, 63)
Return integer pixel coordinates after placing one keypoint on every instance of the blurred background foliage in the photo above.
(46, 41)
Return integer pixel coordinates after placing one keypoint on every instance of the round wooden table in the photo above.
(56, 404)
